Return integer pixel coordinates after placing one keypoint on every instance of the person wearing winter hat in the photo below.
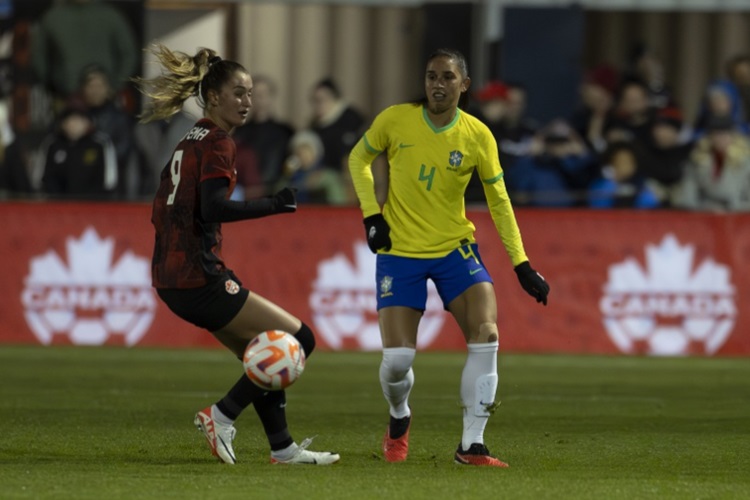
(663, 158)
(717, 173)
(594, 113)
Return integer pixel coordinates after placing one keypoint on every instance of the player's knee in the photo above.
(396, 362)
(306, 338)
(487, 333)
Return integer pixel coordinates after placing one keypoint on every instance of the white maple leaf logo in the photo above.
(88, 297)
(670, 307)
(343, 303)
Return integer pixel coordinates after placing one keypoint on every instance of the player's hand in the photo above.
(378, 233)
(532, 282)
(285, 201)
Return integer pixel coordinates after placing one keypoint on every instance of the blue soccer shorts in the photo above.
(402, 281)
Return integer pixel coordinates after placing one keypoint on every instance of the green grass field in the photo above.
(107, 423)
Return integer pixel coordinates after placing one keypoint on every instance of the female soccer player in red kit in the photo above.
(189, 272)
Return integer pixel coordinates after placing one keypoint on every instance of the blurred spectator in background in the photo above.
(305, 171)
(717, 174)
(155, 142)
(99, 98)
(14, 177)
(620, 183)
(77, 161)
(597, 101)
(338, 125)
(633, 114)
(491, 105)
(76, 33)
(645, 66)
(263, 137)
(556, 177)
(722, 99)
(663, 160)
(516, 132)
(738, 72)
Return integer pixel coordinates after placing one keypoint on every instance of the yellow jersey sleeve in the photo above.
(360, 166)
(370, 145)
(498, 201)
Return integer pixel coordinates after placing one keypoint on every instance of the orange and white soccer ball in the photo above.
(274, 360)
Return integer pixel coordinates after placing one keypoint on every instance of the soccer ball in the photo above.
(274, 360)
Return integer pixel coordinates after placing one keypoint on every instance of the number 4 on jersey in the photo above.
(174, 170)
(428, 177)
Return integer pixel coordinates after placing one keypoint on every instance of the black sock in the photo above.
(271, 409)
(306, 338)
(239, 397)
(397, 427)
(271, 405)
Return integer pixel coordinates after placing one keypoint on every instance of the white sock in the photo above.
(219, 417)
(478, 387)
(286, 453)
(397, 378)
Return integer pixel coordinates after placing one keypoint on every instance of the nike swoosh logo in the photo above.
(226, 448)
(474, 271)
(402, 145)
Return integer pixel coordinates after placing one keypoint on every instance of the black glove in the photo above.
(532, 282)
(378, 233)
(285, 201)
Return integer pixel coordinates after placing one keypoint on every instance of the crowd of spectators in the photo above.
(83, 55)
(628, 145)
(312, 160)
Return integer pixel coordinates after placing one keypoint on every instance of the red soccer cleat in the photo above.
(477, 454)
(395, 450)
(219, 436)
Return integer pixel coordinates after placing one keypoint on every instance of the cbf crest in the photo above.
(455, 158)
(385, 286)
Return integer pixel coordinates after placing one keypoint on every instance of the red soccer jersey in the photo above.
(187, 251)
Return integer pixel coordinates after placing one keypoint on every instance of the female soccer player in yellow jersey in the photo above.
(433, 147)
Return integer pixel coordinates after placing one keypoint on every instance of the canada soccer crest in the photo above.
(343, 303)
(87, 298)
(672, 306)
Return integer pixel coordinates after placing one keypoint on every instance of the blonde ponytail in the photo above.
(179, 80)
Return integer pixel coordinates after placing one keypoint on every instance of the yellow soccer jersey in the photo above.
(429, 170)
